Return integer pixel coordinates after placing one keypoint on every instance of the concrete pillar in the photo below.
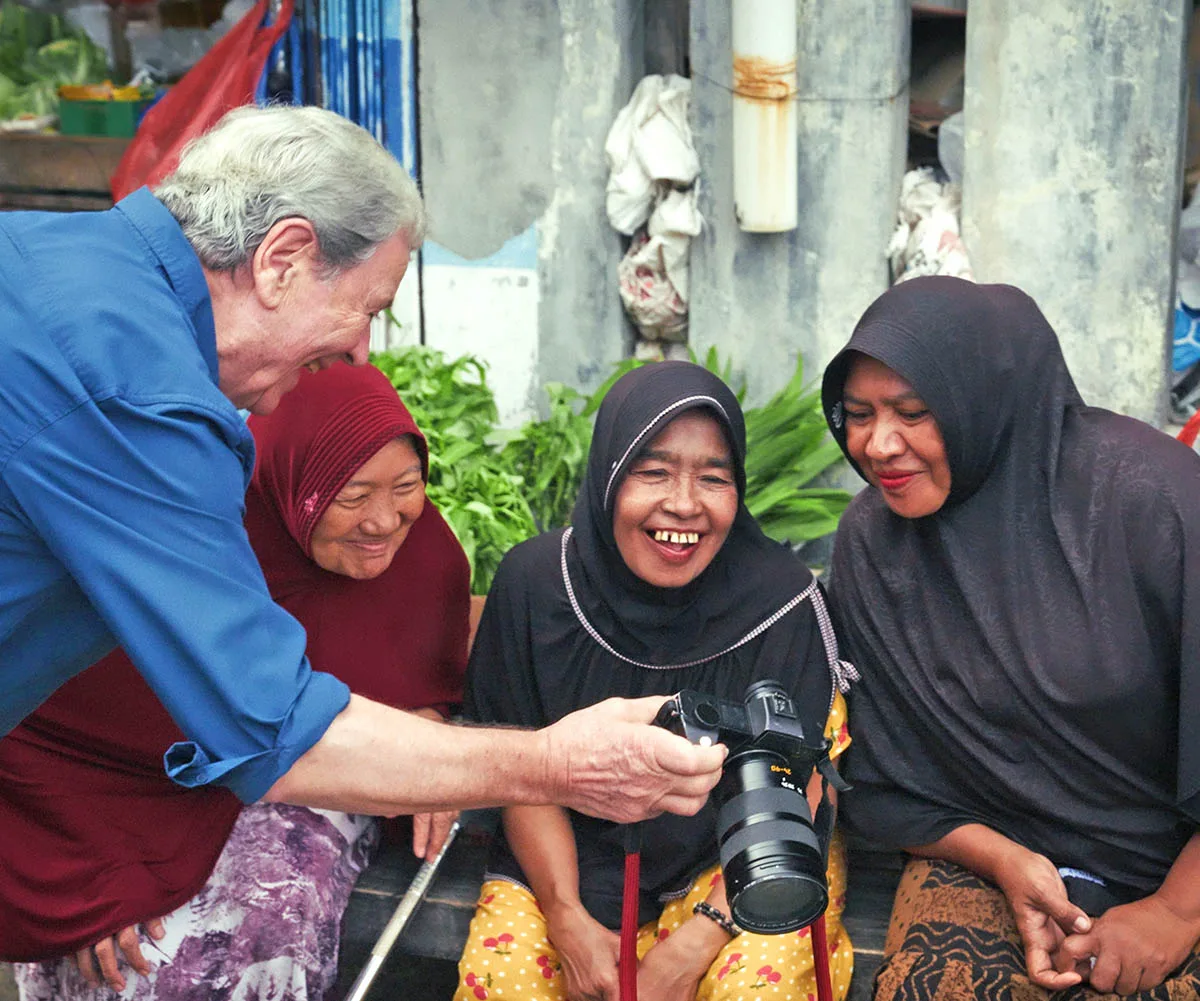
(520, 266)
(1071, 185)
(764, 299)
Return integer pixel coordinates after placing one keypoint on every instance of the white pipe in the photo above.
(765, 174)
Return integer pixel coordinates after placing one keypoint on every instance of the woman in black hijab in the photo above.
(663, 582)
(1019, 591)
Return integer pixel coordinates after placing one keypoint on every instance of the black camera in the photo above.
(771, 856)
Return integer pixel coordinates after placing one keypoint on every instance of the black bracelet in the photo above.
(710, 912)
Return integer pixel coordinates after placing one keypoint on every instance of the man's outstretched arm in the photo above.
(604, 760)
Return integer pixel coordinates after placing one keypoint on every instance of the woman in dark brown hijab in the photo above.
(1019, 591)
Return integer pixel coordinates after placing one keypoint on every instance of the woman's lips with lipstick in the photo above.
(895, 480)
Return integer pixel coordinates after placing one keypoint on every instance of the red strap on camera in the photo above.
(627, 965)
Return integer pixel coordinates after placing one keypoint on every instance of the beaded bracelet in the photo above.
(710, 912)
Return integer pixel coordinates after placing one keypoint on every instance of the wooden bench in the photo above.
(423, 964)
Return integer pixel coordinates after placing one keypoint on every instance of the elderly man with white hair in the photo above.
(129, 339)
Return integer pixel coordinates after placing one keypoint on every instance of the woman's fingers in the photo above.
(100, 963)
(439, 829)
(85, 962)
(420, 834)
(130, 945)
(106, 957)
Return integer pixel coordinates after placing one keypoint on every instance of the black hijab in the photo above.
(751, 577)
(1030, 652)
(567, 624)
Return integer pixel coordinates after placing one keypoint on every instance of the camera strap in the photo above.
(831, 775)
(627, 960)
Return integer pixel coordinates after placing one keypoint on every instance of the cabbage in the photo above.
(38, 53)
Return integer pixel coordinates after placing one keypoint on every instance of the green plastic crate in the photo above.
(100, 118)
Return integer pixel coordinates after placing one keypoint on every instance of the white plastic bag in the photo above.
(653, 274)
(652, 196)
(648, 147)
(927, 240)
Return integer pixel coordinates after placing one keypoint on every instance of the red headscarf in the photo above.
(402, 637)
(93, 836)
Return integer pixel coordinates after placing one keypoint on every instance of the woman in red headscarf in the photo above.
(103, 858)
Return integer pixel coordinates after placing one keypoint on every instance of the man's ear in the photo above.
(289, 251)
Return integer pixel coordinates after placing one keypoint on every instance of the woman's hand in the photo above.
(430, 829)
(589, 954)
(669, 970)
(673, 968)
(1136, 946)
(1045, 916)
(1034, 890)
(429, 833)
(98, 963)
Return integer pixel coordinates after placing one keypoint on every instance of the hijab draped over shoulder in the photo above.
(93, 835)
(1030, 654)
(567, 624)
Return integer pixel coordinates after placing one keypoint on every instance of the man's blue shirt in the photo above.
(122, 475)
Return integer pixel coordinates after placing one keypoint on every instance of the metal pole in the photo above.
(404, 910)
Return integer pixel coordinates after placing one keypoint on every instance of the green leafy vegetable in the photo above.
(478, 494)
(550, 456)
(39, 52)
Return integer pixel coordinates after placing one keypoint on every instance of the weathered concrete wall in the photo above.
(1071, 183)
(516, 100)
(764, 299)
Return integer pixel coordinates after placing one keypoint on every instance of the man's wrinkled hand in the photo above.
(607, 761)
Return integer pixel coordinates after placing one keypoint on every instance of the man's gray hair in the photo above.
(257, 166)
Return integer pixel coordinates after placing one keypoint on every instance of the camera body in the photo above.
(772, 860)
(765, 719)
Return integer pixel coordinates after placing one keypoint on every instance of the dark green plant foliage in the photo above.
(550, 455)
(473, 486)
(498, 487)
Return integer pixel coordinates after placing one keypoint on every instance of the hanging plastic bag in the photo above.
(224, 79)
(649, 147)
(927, 239)
(653, 274)
(652, 196)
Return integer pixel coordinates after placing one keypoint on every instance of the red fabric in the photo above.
(93, 836)
(225, 78)
(1188, 434)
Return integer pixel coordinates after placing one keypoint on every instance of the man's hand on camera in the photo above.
(607, 761)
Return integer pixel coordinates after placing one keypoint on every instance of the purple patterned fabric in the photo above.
(265, 927)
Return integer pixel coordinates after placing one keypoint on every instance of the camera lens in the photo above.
(772, 861)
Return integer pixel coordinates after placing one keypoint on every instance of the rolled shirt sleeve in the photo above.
(141, 502)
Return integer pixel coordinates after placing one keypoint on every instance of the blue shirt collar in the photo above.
(165, 238)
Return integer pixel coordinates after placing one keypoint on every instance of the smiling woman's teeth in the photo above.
(682, 538)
